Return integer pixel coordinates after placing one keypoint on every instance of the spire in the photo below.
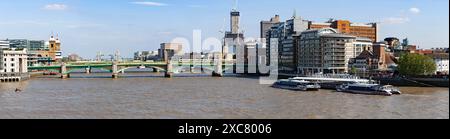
(52, 37)
(295, 14)
(235, 6)
(57, 38)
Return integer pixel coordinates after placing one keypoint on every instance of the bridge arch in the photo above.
(124, 68)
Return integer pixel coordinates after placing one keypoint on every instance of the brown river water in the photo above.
(142, 97)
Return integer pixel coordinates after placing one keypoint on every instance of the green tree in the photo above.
(353, 70)
(416, 64)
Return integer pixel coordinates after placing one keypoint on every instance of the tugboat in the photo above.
(299, 85)
(368, 89)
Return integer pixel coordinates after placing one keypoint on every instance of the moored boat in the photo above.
(300, 85)
(369, 89)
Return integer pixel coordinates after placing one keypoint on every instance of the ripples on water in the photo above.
(151, 96)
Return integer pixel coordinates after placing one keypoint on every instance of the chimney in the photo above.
(379, 51)
(275, 19)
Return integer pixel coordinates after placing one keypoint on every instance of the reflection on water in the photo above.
(151, 96)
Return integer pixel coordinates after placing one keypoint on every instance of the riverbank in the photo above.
(415, 82)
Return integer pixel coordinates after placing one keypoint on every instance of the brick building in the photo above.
(369, 30)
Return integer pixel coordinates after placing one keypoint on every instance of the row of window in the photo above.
(12, 59)
(12, 64)
(12, 70)
(12, 55)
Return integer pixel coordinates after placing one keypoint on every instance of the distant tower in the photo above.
(405, 42)
(235, 16)
(54, 48)
(234, 34)
(295, 14)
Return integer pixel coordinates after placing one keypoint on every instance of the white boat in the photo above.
(141, 67)
(300, 85)
(369, 89)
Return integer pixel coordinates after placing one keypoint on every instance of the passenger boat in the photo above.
(331, 81)
(368, 88)
(300, 85)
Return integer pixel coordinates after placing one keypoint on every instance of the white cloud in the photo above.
(55, 7)
(395, 20)
(414, 10)
(149, 3)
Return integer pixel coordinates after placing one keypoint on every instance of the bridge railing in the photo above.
(104, 63)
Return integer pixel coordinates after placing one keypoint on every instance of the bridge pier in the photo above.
(88, 70)
(218, 72)
(169, 68)
(115, 72)
(115, 75)
(63, 71)
(155, 70)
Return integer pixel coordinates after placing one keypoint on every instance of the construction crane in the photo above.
(99, 56)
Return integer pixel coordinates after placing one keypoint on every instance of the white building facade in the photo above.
(13, 61)
(442, 63)
(4, 44)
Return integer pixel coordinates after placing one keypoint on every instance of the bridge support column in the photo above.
(169, 68)
(63, 71)
(218, 72)
(115, 72)
(88, 70)
(155, 70)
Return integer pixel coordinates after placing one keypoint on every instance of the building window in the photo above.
(12, 64)
(12, 70)
(12, 59)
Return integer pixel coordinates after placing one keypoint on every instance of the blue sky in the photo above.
(88, 26)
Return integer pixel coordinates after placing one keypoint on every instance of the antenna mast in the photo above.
(235, 7)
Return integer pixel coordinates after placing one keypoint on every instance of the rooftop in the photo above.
(337, 35)
(439, 55)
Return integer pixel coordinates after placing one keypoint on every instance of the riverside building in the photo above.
(327, 51)
(13, 64)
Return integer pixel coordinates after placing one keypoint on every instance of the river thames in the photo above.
(144, 97)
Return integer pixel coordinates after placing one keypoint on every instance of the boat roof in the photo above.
(293, 80)
(330, 79)
(363, 84)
